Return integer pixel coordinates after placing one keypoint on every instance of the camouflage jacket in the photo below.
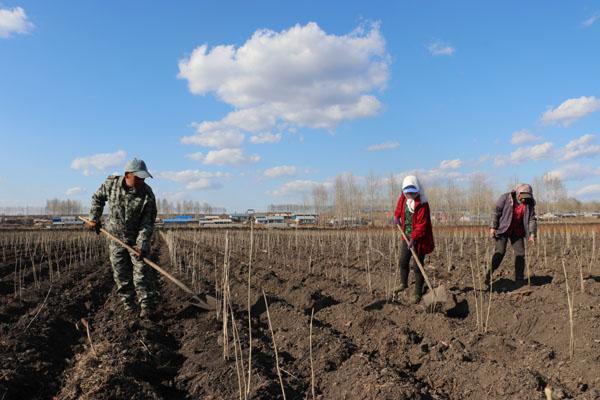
(132, 211)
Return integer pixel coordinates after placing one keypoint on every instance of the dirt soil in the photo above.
(363, 347)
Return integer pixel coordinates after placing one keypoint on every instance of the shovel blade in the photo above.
(439, 296)
(205, 302)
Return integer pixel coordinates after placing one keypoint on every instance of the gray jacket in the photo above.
(503, 213)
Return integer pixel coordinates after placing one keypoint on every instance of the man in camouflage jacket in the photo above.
(132, 214)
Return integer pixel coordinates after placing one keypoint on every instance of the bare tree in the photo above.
(373, 187)
(320, 197)
(340, 197)
(393, 191)
(355, 196)
(481, 195)
(556, 192)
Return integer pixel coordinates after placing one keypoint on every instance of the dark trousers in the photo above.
(403, 265)
(518, 244)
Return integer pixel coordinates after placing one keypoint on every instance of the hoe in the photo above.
(203, 301)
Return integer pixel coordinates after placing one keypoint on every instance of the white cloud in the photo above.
(531, 153)
(98, 162)
(383, 146)
(451, 164)
(589, 190)
(195, 179)
(581, 147)
(196, 156)
(591, 20)
(298, 77)
(571, 110)
(573, 172)
(523, 136)
(209, 136)
(277, 172)
(232, 157)
(440, 49)
(262, 138)
(74, 191)
(13, 21)
(294, 188)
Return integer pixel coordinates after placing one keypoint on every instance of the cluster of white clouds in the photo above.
(14, 21)
(527, 153)
(228, 156)
(282, 170)
(209, 137)
(583, 146)
(296, 188)
(523, 136)
(267, 137)
(299, 77)
(196, 179)
(571, 110)
(89, 165)
(565, 114)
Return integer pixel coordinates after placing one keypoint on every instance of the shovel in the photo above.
(433, 297)
(201, 300)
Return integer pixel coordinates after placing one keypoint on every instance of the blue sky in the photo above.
(439, 87)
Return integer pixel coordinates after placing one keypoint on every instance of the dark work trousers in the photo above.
(403, 265)
(518, 244)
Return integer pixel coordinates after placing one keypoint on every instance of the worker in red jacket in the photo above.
(412, 214)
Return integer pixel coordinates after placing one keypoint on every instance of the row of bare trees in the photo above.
(186, 207)
(63, 207)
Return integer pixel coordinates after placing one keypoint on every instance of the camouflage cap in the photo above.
(138, 167)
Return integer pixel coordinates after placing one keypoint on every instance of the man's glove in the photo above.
(412, 243)
(94, 226)
(396, 221)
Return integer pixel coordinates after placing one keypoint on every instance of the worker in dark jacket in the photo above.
(513, 220)
(412, 214)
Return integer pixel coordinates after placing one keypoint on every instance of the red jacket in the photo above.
(422, 231)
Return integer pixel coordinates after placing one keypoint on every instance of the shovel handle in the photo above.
(416, 257)
(150, 263)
